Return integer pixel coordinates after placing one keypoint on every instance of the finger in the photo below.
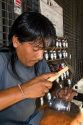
(48, 75)
(68, 97)
(65, 91)
(46, 90)
(43, 94)
(47, 84)
(72, 95)
(75, 93)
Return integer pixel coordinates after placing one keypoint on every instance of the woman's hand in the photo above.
(66, 94)
(38, 86)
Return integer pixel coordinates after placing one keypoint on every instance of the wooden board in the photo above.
(58, 74)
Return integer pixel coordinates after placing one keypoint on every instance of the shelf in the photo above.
(57, 48)
(56, 60)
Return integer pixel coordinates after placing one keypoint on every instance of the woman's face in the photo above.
(28, 53)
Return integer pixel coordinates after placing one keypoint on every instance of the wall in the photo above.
(73, 29)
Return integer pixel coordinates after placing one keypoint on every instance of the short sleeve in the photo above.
(45, 67)
(2, 64)
(42, 67)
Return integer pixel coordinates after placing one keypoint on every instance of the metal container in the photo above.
(59, 104)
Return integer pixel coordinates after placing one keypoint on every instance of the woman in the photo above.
(23, 71)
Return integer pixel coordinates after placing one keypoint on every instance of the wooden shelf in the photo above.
(56, 48)
(56, 60)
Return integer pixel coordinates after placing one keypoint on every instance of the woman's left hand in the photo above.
(65, 93)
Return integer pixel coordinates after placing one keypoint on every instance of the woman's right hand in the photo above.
(38, 86)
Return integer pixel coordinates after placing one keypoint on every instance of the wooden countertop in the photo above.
(52, 117)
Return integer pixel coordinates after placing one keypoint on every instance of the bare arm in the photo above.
(34, 88)
(10, 96)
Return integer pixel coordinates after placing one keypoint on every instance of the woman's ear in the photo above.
(15, 42)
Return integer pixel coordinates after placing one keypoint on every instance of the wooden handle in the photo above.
(58, 74)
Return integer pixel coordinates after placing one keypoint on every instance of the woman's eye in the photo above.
(38, 48)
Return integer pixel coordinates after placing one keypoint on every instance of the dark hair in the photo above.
(31, 26)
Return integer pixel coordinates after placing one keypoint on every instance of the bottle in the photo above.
(59, 54)
(63, 54)
(62, 77)
(57, 43)
(69, 56)
(67, 73)
(49, 96)
(63, 43)
(66, 43)
(54, 55)
(51, 55)
(65, 76)
(63, 65)
(46, 55)
(69, 82)
(66, 54)
(41, 101)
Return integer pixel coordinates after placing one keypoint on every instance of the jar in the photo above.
(54, 54)
(46, 55)
(59, 104)
(51, 55)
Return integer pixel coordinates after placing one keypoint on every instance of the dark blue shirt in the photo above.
(22, 110)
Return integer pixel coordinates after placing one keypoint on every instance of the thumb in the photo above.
(48, 75)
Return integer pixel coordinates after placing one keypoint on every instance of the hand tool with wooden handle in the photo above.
(53, 78)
